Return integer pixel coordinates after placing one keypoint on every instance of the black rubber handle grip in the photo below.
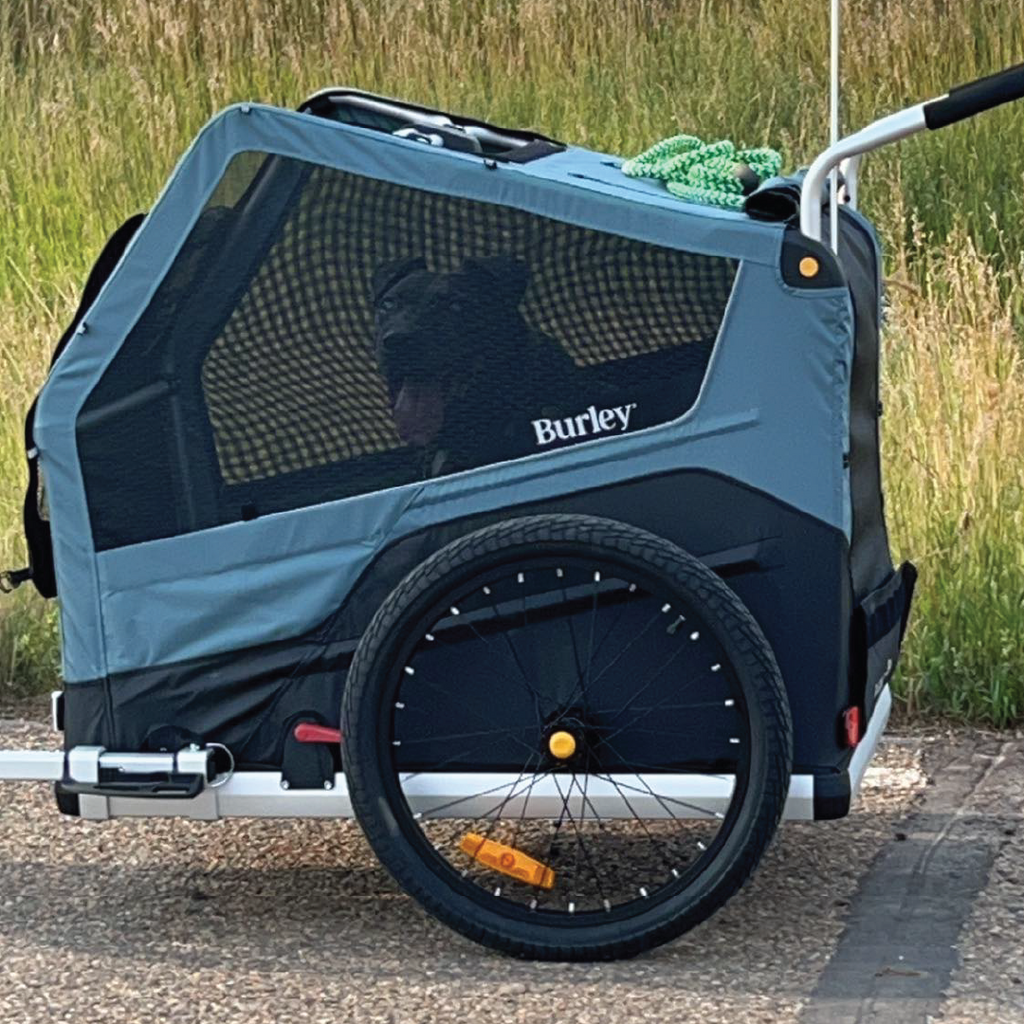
(967, 100)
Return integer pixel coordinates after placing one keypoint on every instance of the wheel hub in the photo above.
(562, 744)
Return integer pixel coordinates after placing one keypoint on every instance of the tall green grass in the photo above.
(99, 97)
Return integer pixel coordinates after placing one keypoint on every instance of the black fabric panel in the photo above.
(870, 561)
(790, 570)
(87, 721)
(779, 200)
(879, 622)
(36, 524)
(241, 699)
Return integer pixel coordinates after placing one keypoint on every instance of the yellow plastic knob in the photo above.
(562, 745)
(809, 267)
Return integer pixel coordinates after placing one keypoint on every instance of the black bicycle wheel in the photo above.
(566, 738)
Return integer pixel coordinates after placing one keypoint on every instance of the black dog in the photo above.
(465, 372)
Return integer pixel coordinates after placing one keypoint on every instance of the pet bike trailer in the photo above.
(409, 468)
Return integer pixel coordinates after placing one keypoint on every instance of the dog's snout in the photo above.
(395, 343)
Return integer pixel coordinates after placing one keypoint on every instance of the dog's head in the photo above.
(435, 331)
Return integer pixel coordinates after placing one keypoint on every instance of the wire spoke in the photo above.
(498, 808)
(641, 821)
(660, 769)
(579, 835)
(522, 813)
(643, 632)
(430, 812)
(493, 815)
(555, 830)
(583, 815)
(650, 682)
(485, 744)
(649, 711)
(590, 643)
(650, 792)
(586, 799)
(497, 815)
(572, 635)
(515, 658)
(642, 780)
(515, 655)
(468, 735)
(667, 707)
(600, 647)
(476, 714)
(659, 732)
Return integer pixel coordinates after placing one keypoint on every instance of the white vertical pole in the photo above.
(834, 125)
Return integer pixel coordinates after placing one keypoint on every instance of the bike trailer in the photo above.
(403, 466)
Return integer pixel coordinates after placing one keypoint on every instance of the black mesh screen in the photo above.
(323, 334)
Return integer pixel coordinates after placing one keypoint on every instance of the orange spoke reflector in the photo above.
(508, 860)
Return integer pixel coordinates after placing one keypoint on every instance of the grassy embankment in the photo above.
(99, 97)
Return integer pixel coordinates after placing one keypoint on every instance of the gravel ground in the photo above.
(294, 921)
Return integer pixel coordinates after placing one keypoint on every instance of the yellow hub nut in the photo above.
(562, 745)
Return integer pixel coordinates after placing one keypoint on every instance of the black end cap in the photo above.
(831, 796)
(67, 803)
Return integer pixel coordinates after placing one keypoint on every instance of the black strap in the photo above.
(531, 151)
(908, 576)
(895, 610)
(37, 529)
(11, 579)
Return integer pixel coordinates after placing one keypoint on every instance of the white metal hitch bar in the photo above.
(97, 771)
(90, 772)
(959, 104)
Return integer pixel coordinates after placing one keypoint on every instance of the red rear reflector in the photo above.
(851, 726)
(310, 732)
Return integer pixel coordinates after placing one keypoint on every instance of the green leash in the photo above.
(713, 174)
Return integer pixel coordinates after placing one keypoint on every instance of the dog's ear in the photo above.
(389, 273)
(504, 277)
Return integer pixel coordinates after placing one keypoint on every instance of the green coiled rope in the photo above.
(707, 173)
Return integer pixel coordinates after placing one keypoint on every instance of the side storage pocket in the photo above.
(879, 623)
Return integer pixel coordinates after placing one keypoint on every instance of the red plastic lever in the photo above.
(310, 732)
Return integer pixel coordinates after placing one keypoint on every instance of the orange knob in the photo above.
(562, 745)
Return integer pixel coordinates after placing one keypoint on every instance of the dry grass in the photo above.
(99, 97)
(954, 441)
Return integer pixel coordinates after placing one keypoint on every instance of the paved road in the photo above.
(294, 921)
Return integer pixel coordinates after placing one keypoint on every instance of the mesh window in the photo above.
(323, 334)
